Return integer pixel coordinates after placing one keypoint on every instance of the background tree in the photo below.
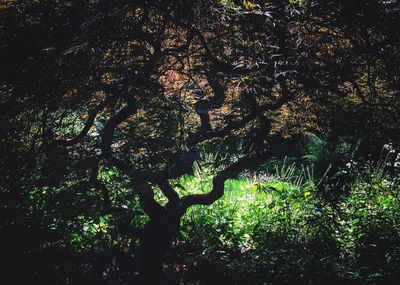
(350, 54)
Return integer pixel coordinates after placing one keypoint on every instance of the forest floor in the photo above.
(60, 266)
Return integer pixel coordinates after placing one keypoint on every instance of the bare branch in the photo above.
(88, 124)
(169, 192)
(149, 205)
(112, 124)
(217, 190)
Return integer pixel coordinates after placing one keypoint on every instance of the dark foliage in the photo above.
(141, 88)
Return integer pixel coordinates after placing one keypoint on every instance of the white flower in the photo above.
(389, 147)
(351, 163)
(397, 164)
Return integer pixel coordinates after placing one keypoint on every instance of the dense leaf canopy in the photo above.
(142, 88)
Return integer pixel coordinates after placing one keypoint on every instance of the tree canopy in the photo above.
(143, 87)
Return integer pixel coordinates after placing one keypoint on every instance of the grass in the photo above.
(280, 227)
(284, 221)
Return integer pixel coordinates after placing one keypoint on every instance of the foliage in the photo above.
(269, 216)
(122, 120)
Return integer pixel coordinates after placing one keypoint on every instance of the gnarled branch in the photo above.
(88, 124)
(218, 182)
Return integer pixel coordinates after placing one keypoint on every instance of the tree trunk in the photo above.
(154, 244)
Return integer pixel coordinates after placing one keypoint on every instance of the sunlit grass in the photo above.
(276, 217)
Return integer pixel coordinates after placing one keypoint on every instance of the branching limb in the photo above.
(88, 124)
(112, 124)
(149, 205)
(218, 183)
(169, 192)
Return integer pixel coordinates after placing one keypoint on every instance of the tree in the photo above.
(141, 86)
(159, 80)
(352, 54)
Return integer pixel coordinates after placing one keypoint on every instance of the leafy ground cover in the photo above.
(278, 228)
(274, 225)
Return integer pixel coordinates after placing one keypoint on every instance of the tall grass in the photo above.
(283, 212)
(279, 221)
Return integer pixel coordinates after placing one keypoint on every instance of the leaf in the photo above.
(271, 205)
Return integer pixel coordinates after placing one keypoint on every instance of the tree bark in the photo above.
(154, 244)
